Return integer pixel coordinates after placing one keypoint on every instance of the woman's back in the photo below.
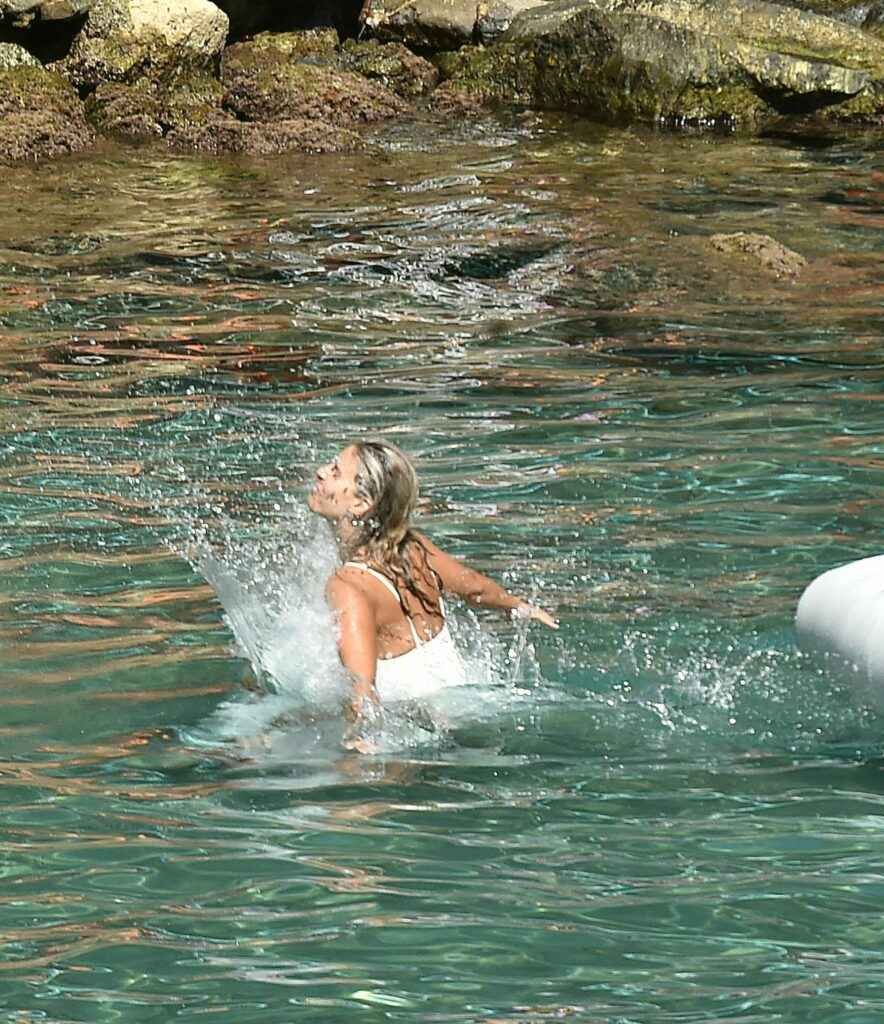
(416, 655)
(406, 616)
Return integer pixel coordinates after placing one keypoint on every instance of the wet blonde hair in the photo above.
(387, 480)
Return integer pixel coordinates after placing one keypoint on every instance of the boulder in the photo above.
(189, 116)
(450, 101)
(434, 25)
(263, 83)
(391, 65)
(694, 61)
(124, 40)
(41, 115)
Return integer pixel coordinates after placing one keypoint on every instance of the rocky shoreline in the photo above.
(244, 78)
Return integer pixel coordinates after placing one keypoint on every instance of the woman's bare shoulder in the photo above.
(345, 586)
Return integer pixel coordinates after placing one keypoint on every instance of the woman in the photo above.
(387, 594)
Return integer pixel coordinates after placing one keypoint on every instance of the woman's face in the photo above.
(334, 493)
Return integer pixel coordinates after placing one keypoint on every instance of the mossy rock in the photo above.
(321, 43)
(720, 107)
(391, 64)
(123, 40)
(35, 88)
(602, 87)
(262, 84)
(35, 135)
(154, 108)
(41, 115)
(450, 100)
(115, 59)
(505, 73)
(228, 135)
(676, 61)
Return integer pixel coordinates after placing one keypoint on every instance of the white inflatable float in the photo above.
(842, 611)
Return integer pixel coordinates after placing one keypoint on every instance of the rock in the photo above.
(150, 108)
(35, 89)
(392, 65)
(41, 115)
(451, 101)
(318, 45)
(866, 108)
(262, 83)
(124, 40)
(494, 17)
(851, 12)
(279, 94)
(23, 13)
(35, 136)
(690, 61)
(434, 25)
(63, 10)
(766, 251)
(14, 56)
(421, 24)
(228, 135)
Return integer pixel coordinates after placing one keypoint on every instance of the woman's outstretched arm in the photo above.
(471, 585)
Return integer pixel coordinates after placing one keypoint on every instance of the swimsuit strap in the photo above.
(388, 583)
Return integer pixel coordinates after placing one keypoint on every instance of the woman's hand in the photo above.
(524, 610)
(362, 713)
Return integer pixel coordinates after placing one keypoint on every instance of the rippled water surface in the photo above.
(662, 813)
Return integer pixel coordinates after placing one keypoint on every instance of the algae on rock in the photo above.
(262, 84)
(41, 115)
(228, 135)
(767, 252)
(392, 65)
(149, 107)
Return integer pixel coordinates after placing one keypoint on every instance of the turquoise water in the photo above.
(664, 812)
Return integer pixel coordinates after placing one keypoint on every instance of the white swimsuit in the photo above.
(424, 669)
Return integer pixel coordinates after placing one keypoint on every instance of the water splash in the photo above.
(271, 585)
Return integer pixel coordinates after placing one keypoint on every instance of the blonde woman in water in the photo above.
(388, 593)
